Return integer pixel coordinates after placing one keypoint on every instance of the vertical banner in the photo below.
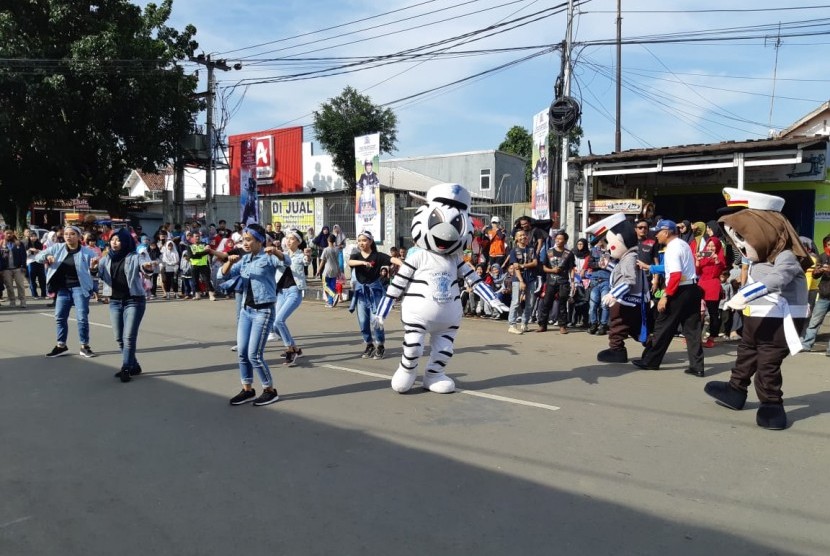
(249, 207)
(539, 188)
(367, 212)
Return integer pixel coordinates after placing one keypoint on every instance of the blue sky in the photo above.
(673, 93)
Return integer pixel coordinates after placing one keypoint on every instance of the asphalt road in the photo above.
(544, 451)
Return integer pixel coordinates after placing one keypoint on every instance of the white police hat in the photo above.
(741, 198)
(598, 229)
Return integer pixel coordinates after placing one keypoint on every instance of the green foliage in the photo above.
(519, 141)
(345, 117)
(88, 91)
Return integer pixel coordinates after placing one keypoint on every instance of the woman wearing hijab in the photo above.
(710, 264)
(121, 269)
(698, 242)
(170, 265)
(257, 269)
(340, 243)
(68, 275)
(579, 294)
(685, 232)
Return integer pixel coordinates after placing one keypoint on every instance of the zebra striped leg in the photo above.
(413, 347)
(442, 349)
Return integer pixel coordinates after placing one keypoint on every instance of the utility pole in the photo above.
(617, 135)
(210, 64)
(566, 91)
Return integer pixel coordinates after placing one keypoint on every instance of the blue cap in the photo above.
(665, 225)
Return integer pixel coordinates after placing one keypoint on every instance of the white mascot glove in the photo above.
(377, 322)
(499, 306)
(737, 302)
(609, 300)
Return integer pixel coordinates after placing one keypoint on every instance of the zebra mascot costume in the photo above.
(429, 282)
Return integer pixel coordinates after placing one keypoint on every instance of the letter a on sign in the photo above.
(264, 157)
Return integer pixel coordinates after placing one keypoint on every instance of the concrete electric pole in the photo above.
(211, 65)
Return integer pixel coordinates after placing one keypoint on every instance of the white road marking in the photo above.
(15, 521)
(458, 391)
(76, 320)
(387, 377)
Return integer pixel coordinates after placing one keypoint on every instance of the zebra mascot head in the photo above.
(443, 225)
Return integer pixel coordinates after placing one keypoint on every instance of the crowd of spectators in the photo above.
(545, 278)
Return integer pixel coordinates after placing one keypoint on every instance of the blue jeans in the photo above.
(64, 300)
(598, 291)
(819, 312)
(331, 284)
(287, 302)
(366, 306)
(125, 316)
(251, 336)
(513, 317)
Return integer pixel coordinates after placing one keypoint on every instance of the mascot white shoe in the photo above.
(428, 281)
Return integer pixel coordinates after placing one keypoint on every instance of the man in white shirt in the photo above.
(680, 304)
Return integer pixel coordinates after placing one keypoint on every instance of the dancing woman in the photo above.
(258, 270)
(121, 269)
(291, 283)
(69, 277)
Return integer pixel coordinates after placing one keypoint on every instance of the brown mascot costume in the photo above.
(773, 301)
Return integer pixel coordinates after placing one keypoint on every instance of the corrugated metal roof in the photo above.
(705, 149)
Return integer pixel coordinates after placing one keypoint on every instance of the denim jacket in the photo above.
(260, 270)
(132, 268)
(82, 259)
(297, 269)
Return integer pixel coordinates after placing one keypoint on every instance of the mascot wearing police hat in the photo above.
(629, 294)
(429, 283)
(773, 301)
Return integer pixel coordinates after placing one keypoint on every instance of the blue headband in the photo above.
(259, 237)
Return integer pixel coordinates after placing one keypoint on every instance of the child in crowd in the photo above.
(186, 272)
(727, 291)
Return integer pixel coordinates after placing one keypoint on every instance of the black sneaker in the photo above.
(369, 351)
(87, 352)
(124, 375)
(244, 397)
(379, 351)
(57, 351)
(135, 371)
(292, 356)
(268, 397)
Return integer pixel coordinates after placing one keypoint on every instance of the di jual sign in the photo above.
(264, 153)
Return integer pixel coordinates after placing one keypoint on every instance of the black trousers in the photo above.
(553, 291)
(760, 352)
(683, 308)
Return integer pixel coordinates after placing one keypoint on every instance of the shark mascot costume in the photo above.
(629, 294)
(429, 283)
(773, 301)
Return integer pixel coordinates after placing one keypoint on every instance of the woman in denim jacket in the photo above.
(258, 269)
(291, 284)
(69, 277)
(121, 269)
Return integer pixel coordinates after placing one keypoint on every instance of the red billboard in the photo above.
(277, 155)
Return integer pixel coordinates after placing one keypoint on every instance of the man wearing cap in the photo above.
(680, 304)
(497, 250)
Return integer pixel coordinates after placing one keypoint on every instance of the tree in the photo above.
(345, 117)
(519, 141)
(88, 91)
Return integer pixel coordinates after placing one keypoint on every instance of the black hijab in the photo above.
(127, 245)
(584, 252)
(689, 234)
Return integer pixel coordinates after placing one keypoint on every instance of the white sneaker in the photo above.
(272, 337)
(524, 328)
(514, 329)
(212, 296)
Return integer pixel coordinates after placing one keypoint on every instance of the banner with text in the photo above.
(293, 213)
(539, 187)
(248, 198)
(367, 212)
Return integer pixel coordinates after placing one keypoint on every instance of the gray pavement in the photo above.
(543, 452)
